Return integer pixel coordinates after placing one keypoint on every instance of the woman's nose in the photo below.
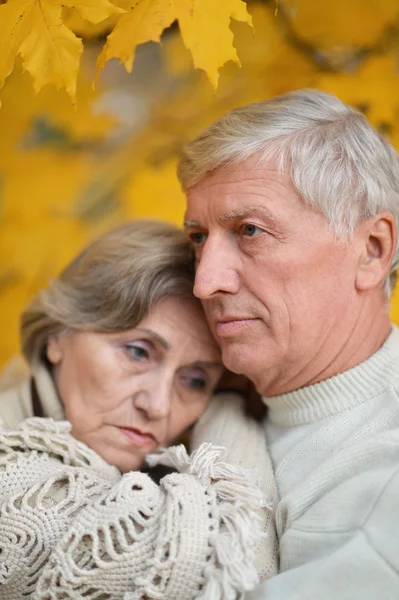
(155, 402)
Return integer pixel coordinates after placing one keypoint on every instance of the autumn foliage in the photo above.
(69, 172)
(38, 31)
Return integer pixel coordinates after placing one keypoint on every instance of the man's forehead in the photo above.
(247, 172)
(237, 192)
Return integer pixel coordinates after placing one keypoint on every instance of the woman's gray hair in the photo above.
(111, 285)
(339, 164)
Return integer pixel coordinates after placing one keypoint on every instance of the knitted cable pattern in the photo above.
(71, 526)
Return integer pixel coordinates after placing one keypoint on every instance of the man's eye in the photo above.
(251, 230)
(197, 237)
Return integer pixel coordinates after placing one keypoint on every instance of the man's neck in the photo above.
(357, 348)
(341, 351)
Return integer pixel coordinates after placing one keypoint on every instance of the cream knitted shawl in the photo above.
(71, 526)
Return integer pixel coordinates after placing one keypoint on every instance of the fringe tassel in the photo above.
(236, 498)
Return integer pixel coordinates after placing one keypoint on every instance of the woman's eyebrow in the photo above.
(156, 336)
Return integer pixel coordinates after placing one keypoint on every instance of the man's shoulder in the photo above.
(357, 489)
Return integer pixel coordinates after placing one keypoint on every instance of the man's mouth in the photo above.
(137, 437)
(231, 325)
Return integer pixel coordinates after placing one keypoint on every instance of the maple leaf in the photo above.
(50, 51)
(204, 26)
(94, 11)
(145, 22)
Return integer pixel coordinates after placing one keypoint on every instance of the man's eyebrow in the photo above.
(189, 223)
(245, 212)
(235, 214)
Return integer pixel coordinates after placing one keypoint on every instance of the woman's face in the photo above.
(128, 393)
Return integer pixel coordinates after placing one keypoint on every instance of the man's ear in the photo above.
(378, 239)
(54, 349)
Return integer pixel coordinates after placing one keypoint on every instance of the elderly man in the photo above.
(293, 207)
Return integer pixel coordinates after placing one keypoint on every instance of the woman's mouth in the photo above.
(137, 437)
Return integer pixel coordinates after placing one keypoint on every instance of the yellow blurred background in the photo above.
(68, 174)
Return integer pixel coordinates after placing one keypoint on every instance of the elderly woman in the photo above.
(122, 363)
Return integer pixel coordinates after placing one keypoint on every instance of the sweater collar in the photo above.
(341, 392)
(47, 392)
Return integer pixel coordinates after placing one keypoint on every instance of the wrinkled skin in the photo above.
(289, 303)
(130, 392)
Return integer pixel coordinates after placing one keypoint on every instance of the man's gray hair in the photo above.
(339, 164)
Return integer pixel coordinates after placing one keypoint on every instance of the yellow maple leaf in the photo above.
(145, 22)
(14, 27)
(270, 67)
(83, 28)
(204, 26)
(93, 10)
(50, 51)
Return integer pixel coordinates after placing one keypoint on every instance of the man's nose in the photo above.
(216, 270)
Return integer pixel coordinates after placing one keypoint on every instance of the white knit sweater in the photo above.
(335, 448)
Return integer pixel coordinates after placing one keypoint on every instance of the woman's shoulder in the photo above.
(15, 404)
(15, 393)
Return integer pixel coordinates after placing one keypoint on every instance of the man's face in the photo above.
(277, 287)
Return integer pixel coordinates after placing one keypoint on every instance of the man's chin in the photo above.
(240, 358)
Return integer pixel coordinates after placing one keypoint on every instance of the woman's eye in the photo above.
(137, 352)
(251, 230)
(195, 381)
